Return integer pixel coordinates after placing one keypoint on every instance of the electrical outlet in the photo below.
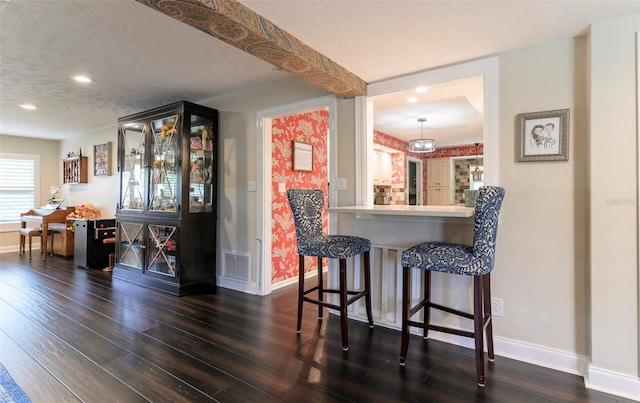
(497, 308)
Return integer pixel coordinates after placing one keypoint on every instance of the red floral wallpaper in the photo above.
(311, 127)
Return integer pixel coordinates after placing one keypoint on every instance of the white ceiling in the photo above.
(140, 58)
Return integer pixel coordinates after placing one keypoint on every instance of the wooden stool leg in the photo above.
(406, 300)
(367, 286)
(343, 305)
(22, 242)
(478, 328)
(426, 313)
(300, 290)
(320, 288)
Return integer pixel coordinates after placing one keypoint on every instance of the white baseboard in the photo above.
(613, 383)
(237, 285)
(603, 380)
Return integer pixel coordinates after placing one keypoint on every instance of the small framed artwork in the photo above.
(543, 136)
(302, 156)
(102, 159)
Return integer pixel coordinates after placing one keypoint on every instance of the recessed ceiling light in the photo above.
(82, 79)
(28, 107)
(421, 89)
(412, 100)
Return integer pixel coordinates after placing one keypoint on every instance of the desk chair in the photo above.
(31, 232)
(112, 255)
(476, 261)
(306, 205)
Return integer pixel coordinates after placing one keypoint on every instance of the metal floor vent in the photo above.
(236, 265)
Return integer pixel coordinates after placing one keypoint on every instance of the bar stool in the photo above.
(306, 205)
(110, 241)
(476, 261)
(31, 232)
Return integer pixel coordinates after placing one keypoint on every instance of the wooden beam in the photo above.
(239, 26)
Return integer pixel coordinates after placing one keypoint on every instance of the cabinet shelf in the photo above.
(75, 170)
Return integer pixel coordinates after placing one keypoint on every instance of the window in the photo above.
(18, 185)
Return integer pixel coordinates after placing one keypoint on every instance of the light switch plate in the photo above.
(253, 187)
(341, 183)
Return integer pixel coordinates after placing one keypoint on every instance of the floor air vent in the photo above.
(236, 265)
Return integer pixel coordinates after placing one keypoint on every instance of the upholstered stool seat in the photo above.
(306, 205)
(30, 233)
(475, 261)
(335, 246)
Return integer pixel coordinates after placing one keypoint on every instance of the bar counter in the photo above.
(458, 211)
(391, 229)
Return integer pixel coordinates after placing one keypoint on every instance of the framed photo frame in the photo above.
(302, 156)
(102, 159)
(543, 136)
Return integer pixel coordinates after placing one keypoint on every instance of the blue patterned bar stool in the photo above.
(306, 205)
(476, 261)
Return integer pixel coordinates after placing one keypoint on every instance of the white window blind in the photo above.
(18, 185)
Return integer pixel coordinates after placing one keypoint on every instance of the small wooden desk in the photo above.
(44, 217)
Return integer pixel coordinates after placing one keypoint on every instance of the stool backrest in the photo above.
(306, 205)
(488, 204)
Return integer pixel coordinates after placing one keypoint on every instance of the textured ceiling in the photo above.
(140, 59)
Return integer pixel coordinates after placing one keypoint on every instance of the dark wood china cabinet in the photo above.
(167, 191)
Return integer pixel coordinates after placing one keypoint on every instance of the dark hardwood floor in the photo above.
(68, 334)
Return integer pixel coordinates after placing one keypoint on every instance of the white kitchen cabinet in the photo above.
(438, 182)
(383, 168)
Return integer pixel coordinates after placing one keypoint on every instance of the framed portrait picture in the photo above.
(543, 136)
(302, 156)
(102, 159)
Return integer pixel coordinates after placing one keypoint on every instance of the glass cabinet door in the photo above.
(131, 250)
(162, 249)
(133, 169)
(164, 156)
(202, 170)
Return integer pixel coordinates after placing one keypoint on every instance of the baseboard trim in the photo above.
(613, 383)
(237, 285)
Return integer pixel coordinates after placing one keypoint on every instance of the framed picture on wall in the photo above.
(102, 159)
(543, 136)
(302, 156)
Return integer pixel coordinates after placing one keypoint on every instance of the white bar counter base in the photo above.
(458, 211)
(391, 229)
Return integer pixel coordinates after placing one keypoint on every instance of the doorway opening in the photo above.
(414, 181)
(272, 183)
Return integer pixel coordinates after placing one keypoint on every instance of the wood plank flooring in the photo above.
(68, 334)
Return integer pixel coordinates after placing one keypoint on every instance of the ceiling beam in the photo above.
(239, 26)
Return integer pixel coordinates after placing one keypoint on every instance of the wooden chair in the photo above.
(476, 261)
(306, 205)
(31, 232)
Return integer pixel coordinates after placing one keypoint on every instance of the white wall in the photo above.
(541, 258)
(99, 190)
(614, 223)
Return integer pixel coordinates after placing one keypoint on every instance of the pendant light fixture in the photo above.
(476, 172)
(422, 145)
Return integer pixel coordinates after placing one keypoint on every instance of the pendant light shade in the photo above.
(422, 145)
